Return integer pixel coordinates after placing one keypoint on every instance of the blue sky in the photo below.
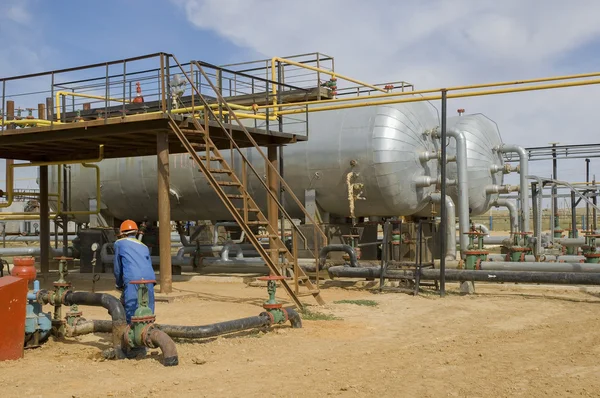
(431, 43)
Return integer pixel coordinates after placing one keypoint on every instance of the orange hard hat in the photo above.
(128, 225)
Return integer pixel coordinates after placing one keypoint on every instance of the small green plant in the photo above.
(366, 303)
(317, 316)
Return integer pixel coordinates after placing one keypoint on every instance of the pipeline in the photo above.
(349, 250)
(450, 224)
(115, 310)
(480, 227)
(543, 258)
(160, 339)
(463, 187)
(569, 278)
(541, 267)
(106, 258)
(31, 251)
(217, 329)
(523, 185)
(512, 211)
(29, 238)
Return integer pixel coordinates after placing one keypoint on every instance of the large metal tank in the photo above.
(482, 136)
(380, 143)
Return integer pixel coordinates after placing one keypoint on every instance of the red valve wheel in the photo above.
(142, 281)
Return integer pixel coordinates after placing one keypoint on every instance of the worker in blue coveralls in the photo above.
(132, 262)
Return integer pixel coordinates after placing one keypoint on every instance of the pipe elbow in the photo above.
(158, 338)
(294, 318)
(425, 181)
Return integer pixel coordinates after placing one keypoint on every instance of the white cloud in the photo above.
(434, 43)
(18, 13)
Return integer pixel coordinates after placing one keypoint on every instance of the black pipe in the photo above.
(338, 248)
(294, 318)
(89, 326)
(216, 329)
(115, 310)
(562, 278)
(160, 339)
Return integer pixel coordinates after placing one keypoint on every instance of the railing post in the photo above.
(163, 104)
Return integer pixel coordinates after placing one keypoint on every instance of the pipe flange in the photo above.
(126, 336)
(477, 252)
(62, 297)
(271, 317)
(286, 316)
(146, 335)
(592, 255)
(143, 319)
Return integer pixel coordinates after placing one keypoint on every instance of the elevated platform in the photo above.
(127, 136)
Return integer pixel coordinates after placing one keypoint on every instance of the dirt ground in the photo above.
(507, 340)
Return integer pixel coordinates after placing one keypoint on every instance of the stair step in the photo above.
(234, 196)
(192, 131)
(266, 236)
(280, 250)
(229, 184)
(200, 146)
(257, 223)
(222, 171)
(212, 158)
(249, 210)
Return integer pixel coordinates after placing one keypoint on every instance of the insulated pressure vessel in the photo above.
(381, 145)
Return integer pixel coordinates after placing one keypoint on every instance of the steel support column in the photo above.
(164, 212)
(272, 210)
(44, 223)
(443, 209)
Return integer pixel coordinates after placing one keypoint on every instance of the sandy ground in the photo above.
(506, 340)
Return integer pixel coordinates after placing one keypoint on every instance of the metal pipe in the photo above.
(227, 248)
(450, 224)
(160, 339)
(542, 258)
(337, 248)
(570, 242)
(114, 307)
(479, 227)
(31, 251)
(568, 278)
(539, 266)
(524, 188)
(463, 187)
(44, 237)
(512, 211)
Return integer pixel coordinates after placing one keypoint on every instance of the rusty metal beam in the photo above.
(164, 212)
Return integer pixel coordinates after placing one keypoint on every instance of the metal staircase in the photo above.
(235, 195)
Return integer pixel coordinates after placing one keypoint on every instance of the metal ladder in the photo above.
(235, 196)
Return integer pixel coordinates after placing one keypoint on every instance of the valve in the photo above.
(73, 316)
(138, 97)
(475, 252)
(142, 320)
(29, 113)
(589, 249)
(78, 118)
(516, 251)
(56, 298)
(273, 308)
(388, 87)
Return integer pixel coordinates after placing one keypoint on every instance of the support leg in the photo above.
(164, 212)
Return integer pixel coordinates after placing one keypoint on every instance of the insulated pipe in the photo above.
(524, 188)
(89, 326)
(206, 261)
(111, 303)
(570, 242)
(29, 238)
(568, 278)
(543, 258)
(463, 188)
(227, 248)
(338, 248)
(512, 211)
(490, 189)
(160, 339)
(30, 251)
(450, 225)
(540, 267)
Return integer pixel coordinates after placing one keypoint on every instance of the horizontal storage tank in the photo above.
(482, 136)
(380, 143)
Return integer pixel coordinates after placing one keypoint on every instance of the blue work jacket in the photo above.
(132, 262)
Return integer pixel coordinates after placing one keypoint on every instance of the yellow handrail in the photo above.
(66, 93)
(10, 188)
(439, 97)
